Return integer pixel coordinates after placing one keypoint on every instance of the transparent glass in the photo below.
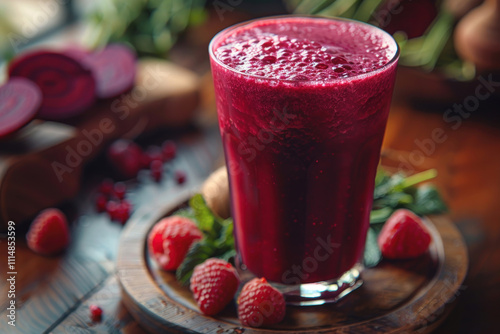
(301, 159)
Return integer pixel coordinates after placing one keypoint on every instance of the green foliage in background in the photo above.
(433, 50)
(6, 30)
(151, 27)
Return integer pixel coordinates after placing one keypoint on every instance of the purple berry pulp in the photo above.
(302, 104)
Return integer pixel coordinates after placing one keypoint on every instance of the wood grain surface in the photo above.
(396, 297)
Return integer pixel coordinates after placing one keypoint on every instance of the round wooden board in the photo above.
(396, 296)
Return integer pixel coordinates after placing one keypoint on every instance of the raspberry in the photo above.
(157, 170)
(49, 233)
(259, 304)
(122, 213)
(403, 236)
(100, 203)
(106, 187)
(95, 313)
(119, 190)
(214, 283)
(112, 210)
(125, 156)
(180, 177)
(170, 239)
(169, 150)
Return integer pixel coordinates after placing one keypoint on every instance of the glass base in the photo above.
(322, 292)
(318, 293)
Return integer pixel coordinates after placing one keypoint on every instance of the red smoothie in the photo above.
(302, 105)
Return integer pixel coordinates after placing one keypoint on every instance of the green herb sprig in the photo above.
(218, 238)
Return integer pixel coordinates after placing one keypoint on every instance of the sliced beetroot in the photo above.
(20, 100)
(76, 52)
(68, 88)
(114, 68)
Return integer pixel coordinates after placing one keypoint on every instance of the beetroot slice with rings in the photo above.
(76, 52)
(68, 88)
(114, 68)
(20, 100)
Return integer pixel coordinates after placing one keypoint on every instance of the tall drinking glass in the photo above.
(302, 105)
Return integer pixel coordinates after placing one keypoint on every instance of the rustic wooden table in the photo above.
(53, 294)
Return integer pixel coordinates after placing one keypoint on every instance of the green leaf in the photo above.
(226, 238)
(198, 253)
(229, 256)
(185, 212)
(208, 223)
(372, 255)
(381, 177)
(428, 201)
(380, 215)
(419, 178)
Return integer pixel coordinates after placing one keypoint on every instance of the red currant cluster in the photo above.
(128, 159)
(111, 199)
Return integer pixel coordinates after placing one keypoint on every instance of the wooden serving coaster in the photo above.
(396, 297)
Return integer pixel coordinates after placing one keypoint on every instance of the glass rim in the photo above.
(234, 27)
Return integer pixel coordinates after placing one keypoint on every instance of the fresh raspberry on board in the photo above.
(48, 233)
(214, 283)
(95, 313)
(404, 236)
(259, 304)
(170, 239)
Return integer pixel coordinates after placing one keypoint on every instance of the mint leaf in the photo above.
(208, 223)
(226, 238)
(372, 255)
(379, 216)
(228, 256)
(198, 253)
(185, 212)
(218, 240)
(428, 201)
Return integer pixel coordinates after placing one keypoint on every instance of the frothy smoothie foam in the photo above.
(302, 107)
